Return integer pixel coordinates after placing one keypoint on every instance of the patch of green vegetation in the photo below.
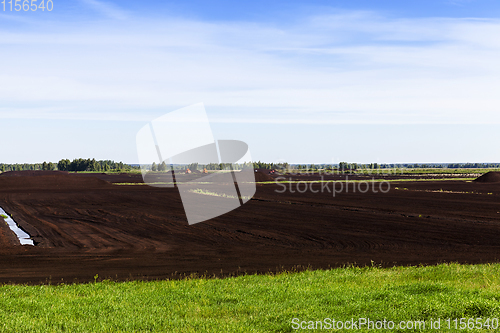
(445, 191)
(214, 194)
(165, 183)
(366, 180)
(256, 303)
(398, 171)
(448, 170)
(109, 172)
(4, 216)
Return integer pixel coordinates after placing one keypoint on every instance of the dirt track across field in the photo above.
(84, 225)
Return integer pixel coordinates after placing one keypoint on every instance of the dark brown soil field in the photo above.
(84, 225)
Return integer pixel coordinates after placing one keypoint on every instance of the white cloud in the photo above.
(106, 8)
(355, 67)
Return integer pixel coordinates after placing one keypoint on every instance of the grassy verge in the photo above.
(401, 180)
(327, 181)
(215, 194)
(109, 172)
(257, 303)
(404, 171)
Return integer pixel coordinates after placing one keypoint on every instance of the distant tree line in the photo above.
(110, 166)
(196, 166)
(67, 165)
(270, 166)
(473, 165)
(160, 167)
(27, 166)
(372, 166)
(81, 164)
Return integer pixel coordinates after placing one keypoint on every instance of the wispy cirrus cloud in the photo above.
(459, 2)
(345, 67)
(107, 9)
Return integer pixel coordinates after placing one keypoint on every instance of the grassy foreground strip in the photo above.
(256, 303)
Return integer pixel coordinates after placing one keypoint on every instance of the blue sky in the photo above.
(301, 81)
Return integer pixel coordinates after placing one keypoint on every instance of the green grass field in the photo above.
(260, 303)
